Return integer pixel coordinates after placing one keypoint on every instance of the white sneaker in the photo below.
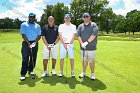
(72, 74)
(32, 73)
(53, 72)
(82, 75)
(93, 76)
(44, 74)
(22, 78)
(60, 74)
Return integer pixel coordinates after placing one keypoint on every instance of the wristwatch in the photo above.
(88, 42)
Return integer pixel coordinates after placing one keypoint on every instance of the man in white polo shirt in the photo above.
(67, 33)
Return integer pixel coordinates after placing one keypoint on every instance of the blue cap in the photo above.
(67, 16)
(32, 14)
(86, 14)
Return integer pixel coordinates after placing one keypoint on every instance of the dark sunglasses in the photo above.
(85, 16)
(32, 16)
(67, 17)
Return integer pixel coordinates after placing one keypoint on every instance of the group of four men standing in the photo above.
(86, 33)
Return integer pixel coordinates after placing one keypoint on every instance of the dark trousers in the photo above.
(28, 57)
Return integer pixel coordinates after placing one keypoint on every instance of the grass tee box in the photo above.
(117, 69)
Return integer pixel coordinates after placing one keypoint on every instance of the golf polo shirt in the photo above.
(32, 31)
(50, 33)
(67, 32)
(85, 31)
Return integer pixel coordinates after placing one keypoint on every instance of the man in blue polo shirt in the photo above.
(31, 34)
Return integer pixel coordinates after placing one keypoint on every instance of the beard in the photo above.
(31, 21)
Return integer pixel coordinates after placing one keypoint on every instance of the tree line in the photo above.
(100, 13)
(7, 24)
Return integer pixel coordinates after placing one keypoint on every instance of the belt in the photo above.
(67, 43)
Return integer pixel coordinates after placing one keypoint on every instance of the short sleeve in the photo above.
(95, 29)
(74, 29)
(22, 29)
(39, 30)
(57, 30)
(43, 31)
(78, 31)
(60, 28)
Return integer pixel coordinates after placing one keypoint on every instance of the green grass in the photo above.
(118, 38)
(117, 69)
(121, 36)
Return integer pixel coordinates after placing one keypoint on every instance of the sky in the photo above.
(21, 8)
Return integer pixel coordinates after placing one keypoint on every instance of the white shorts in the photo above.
(89, 56)
(53, 52)
(63, 51)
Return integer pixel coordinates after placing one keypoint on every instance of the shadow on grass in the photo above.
(29, 81)
(72, 82)
(53, 80)
(93, 84)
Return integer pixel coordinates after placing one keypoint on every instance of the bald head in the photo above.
(50, 17)
(51, 20)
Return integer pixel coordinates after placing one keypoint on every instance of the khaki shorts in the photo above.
(89, 56)
(53, 52)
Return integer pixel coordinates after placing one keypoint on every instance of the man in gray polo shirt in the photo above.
(87, 36)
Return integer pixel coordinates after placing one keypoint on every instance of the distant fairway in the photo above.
(117, 69)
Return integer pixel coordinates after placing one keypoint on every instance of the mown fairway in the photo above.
(117, 69)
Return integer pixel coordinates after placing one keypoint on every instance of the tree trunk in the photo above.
(125, 32)
(129, 32)
(107, 31)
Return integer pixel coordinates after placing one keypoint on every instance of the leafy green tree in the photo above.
(93, 7)
(121, 24)
(6, 24)
(133, 20)
(45, 15)
(106, 17)
(58, 12)
(118, 24)
(2, 24)
(18, 23)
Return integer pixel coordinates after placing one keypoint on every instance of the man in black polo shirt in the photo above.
(50, 39)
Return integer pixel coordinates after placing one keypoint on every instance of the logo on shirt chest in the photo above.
(54, 29)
